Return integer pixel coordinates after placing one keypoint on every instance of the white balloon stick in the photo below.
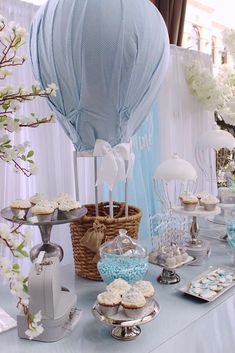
(75, 166)
(111, 203)
(96, 187)
(126, 191)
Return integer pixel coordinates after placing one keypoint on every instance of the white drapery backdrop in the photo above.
(182, 117)
(53, 150)
(182, 120)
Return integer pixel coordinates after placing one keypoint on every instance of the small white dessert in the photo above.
(109, 302)
(133, 302)
(69, 208)
(183, 195)
(43, 212)
(119, 285)
(171, 262)
(209, 203)
(20, 207)
(62, 198)
(38, 197)
(146, 288)
(208, 295)
(202, 195)
(20, 204)
(190, 203)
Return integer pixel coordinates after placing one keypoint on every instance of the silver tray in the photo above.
(127, 329)
(168, 275)
(185, 288)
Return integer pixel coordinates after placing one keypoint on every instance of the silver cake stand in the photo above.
(168, 275)
(195, 245)
(124, 328)
(51, 249)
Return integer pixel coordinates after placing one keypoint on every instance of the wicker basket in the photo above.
(83, 257)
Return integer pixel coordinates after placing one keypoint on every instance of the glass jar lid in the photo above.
(122, 245)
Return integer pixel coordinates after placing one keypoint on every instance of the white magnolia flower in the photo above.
(37, 317)
(20, 148)
(10, 155)
(33, 169)
(33, 332)
(4, 230)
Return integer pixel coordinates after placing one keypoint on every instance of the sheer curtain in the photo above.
(182, 117)
(53, 150)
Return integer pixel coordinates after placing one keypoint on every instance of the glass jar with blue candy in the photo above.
(122, 258)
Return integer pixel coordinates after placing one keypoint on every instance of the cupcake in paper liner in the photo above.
(37, 198)
(190, 203)
(119, 286)
(209, 203)
(109, 302)
(146, 289)
(44, 213)
(133, 302)
(20, 208)
(69, 209)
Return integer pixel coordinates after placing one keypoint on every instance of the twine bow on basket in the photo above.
(93, 238)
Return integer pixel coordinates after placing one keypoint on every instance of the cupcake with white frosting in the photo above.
(202, 195)
(69, 208)
(109, 302)
(43, 212)
(38, 197)
(183, 195)
(133, 302)
(146, 289)
(190, 203)
(20, 206)
(119, 286)
(63, 197)
(209, 203)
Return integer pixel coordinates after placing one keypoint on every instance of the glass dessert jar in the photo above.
(123, 258)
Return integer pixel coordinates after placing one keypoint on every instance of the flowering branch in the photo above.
(12, 38)
(16, 241)
(215, 93)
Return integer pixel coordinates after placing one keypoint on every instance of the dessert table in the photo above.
(184, 325)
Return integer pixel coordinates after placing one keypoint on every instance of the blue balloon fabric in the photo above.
(108, 59)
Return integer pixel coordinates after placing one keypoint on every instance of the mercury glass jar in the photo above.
(123, 258)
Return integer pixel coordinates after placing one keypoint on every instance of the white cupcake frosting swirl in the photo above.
(69, 205)
(19, 203)
(118, 285)
(37, 198)
(109, 298)
(42, 209)
(133, 298)
(145, 287)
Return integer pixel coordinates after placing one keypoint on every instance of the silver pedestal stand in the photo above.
(124, 328)
(51, 249)
(196, 246)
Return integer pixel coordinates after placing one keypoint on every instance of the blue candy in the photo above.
(130, 269)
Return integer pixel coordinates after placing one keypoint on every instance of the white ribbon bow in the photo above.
(113, 168)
